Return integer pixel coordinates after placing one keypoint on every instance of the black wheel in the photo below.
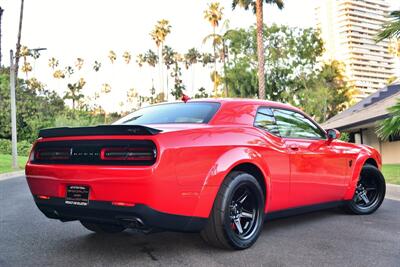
(103, 227)
(237, 216)
(370, 191)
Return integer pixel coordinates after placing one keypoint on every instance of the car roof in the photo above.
(258, 102)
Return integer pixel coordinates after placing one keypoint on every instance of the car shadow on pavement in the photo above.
(159, 246)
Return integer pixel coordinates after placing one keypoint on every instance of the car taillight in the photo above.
(130, 154)
(52, 153)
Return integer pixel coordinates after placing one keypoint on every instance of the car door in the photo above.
(276, 159)
(317, 170)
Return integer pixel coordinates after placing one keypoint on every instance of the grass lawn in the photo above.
(5, 163)
(391, 173)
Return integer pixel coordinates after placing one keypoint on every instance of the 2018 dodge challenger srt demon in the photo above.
(216, 166)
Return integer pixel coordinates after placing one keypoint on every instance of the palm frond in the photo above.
(390, 29)
(390, 126)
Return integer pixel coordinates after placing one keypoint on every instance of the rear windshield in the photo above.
(195, 112)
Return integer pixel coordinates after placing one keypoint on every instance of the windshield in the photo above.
(194, 112)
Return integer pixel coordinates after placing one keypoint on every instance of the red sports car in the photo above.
(217, 166)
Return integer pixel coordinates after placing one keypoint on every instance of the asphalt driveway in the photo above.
(328, 238)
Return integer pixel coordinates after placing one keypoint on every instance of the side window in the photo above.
(294, 125)
(265, 119)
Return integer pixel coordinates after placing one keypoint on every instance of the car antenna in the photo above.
(185, 98)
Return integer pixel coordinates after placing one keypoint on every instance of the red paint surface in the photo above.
(193, 159)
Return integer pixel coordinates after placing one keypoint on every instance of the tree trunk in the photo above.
(215, 65)
(1, 15)
(18, 48)
(260, 49)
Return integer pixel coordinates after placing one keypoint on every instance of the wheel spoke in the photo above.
(243, 197)
(246, 214)
(364, 198)
(238, 225)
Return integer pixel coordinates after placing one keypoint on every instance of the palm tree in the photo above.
(159, 34)
(214, 15)
(257, 6)
(74, 92)
(112, 56)
(53, 62)
(18, 48)
(192, 57)
(127, 57)
(391, 31)
(219, 40)
(390, 126)
(168, 55)
(392, 28)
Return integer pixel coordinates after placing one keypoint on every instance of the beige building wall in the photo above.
(390, 151)
(348, 28)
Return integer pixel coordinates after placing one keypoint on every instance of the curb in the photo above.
(10, 175)
(393, 191)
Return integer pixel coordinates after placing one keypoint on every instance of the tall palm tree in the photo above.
(18, 48)
(214, 15)
(192, 57)
(219, 40)
(159, 34)
(257, 6)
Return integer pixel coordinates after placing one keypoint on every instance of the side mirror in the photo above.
(333, 134)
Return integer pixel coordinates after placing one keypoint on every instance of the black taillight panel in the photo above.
(96, 152)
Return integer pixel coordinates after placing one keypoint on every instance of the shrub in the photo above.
(23, 147)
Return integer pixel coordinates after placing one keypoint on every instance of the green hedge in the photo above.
(24, 147)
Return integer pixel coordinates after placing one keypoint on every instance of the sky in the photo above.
(91, 28)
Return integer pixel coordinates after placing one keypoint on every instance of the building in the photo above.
(348, 29)
(361, 121)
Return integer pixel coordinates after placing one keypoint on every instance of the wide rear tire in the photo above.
(103, 227)
(237, 216)
(370, 192)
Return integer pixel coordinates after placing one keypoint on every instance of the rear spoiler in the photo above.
(99, 130)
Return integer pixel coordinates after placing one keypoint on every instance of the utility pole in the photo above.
(13, 113)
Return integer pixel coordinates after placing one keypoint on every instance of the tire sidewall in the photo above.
(369, 170)
(251, 182)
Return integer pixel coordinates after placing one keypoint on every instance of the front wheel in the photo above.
(103, 227)
(369, 193)
(237, 217)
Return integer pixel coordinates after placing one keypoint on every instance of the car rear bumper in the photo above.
(138, 216)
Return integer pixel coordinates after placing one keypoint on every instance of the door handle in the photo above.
(294, 147)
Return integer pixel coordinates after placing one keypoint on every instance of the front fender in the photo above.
(222, 167)
(365, 154)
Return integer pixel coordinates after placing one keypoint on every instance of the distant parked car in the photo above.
(216, 166)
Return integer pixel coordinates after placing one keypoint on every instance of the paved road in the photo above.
(329, 238)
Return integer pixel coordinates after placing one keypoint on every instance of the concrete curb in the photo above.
(393, 191)
(10, 175)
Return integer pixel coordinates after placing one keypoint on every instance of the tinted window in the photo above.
(195, 112)
(265, 119)
(294, 125)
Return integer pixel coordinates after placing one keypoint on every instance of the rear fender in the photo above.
(222, 167)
